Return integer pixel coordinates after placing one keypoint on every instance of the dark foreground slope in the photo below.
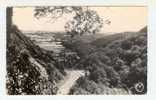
(30, 69)
(117, 67)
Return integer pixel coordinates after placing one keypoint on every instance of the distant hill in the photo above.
(30, 69)
(118, 36)
(90, 38)
(103, 41)
(144, 30)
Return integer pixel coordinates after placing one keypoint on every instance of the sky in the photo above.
(122, 19)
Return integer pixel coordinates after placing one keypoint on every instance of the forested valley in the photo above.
(79, 61)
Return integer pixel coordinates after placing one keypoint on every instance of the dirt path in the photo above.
(69, 81)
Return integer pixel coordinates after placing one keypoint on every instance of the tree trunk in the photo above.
(9, 13)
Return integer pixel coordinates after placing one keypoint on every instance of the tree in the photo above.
(55, 12)
(84, 21)
(87, 22)
(9, 12)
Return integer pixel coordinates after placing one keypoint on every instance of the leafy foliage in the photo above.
(27, 76)
(83, 22)
(55, 12)
(87, 22)
(122, 63)
(88, 87)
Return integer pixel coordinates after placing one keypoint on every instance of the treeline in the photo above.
(117, 64)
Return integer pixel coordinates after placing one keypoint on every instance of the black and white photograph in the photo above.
(76, 50)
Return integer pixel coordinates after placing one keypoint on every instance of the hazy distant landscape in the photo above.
(79, 61)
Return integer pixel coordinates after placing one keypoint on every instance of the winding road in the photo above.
(69, 81)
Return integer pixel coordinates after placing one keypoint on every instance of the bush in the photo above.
(99, 76)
